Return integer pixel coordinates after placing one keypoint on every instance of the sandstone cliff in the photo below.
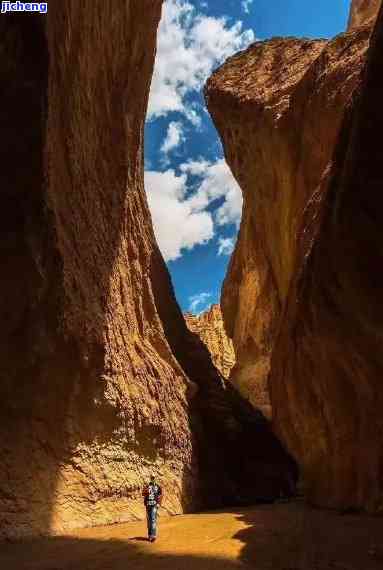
(363, 12)
(210, 329)
(279, 108)
(330, 343)
(92, 398)
(99, 374)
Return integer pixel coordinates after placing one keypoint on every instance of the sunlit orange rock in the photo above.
(363, 12)
(210, 328)
(300, 300)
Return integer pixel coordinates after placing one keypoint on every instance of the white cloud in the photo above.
(196, 167)
(231, 210)
(190, 44)
(176, 224)
(226, 246)
(192, 115)
(246, 4)
(217, 182)
(199, 301)
(178, 204)
(174, 137)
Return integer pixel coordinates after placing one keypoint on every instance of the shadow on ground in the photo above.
(297, 537)
(278, 537)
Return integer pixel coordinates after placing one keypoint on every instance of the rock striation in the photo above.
(101, 382)
(363, 12)
(92, 398)
(299, 300)
(210, 329)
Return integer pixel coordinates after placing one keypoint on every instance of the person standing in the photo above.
(152, 494)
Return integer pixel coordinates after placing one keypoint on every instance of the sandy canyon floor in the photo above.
(278, 537)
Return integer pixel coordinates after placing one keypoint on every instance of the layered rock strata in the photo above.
(299, 300)
(101, 383)
(210, 328)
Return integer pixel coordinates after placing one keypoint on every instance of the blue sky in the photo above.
(194, 200)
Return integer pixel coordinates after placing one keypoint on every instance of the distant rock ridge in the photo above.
(210, 328)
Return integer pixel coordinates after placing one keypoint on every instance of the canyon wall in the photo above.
(330, 342)
(101, 382)
(92, 398)
(363, 12)
(210, 329)
(299, 300)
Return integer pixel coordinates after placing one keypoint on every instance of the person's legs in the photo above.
(148, 520)
(152, 515)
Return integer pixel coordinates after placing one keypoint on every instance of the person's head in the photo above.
(152, 478)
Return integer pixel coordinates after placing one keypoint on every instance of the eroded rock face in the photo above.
(363, 12)
(101, 382)
(327, 364)
(279, 109)
(210, 328)
(92, 398)
(265, 150)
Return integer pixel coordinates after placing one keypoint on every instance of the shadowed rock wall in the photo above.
(284, 99)
(279, 107)
(240, 459)
(92, 398)
(327, 365)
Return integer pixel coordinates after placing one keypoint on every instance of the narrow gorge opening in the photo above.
(105, 379)
(194, 192)
(196, 207)
(195, 202)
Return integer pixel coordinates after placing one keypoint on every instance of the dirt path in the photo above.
(278, 537)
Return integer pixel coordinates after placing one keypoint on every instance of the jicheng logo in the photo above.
(41, 7)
